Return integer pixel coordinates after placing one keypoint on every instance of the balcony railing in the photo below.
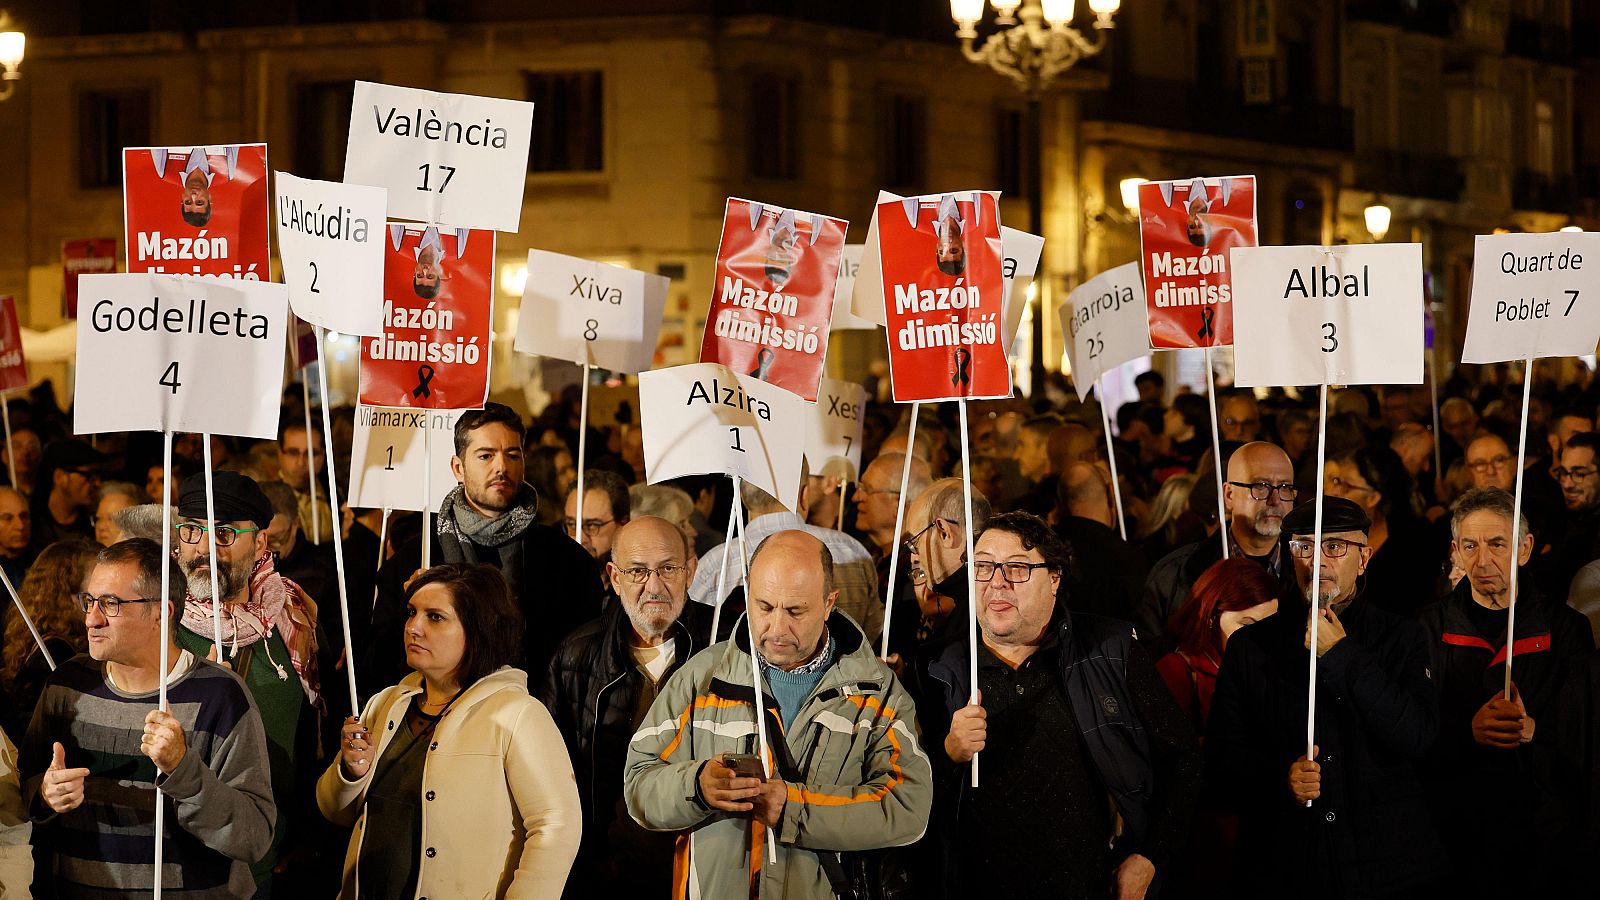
(1410, 174)
(1209, 109)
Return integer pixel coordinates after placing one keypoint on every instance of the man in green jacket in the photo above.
(847, 773)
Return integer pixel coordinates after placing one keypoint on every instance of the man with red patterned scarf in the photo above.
(269, 633)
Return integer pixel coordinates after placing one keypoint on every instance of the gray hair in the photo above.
(660, 500)
(142, 521)
(949, 502)
(1486, 499)
(133, 492)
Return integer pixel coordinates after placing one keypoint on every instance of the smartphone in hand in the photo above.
(745, 765)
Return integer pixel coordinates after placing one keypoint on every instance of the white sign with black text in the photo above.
(1348, 314)
(1019, 252)
(179, 353)
(387, 457)
(1533, 295)
(330, 237)
(844, 289)
(452, 158)
(705, 418)
(1105, 320)
(834, 435)
(588, 311)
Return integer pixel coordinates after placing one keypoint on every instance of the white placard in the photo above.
(451, 158)
(1106, 323)
(843, 318)
(706, 419)
(387, 457)
(1327, 315)
(1533, 295)
(1020, 252)
(582, 310)
(179, 353)
(834, 435)
(866, 295)
(330, 238)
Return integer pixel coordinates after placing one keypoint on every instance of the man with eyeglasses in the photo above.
(63, 504)
(603, 679)
(99, 753)
(936, 549)
(300, 463)
(1089, 768)
(270, 634)
(606, 508)
(1258, 493)
(1511, 765)
(1579, 541)
(1367, 832)
(1239, 418)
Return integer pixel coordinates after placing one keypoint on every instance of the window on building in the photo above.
(773, 120)
(322, 128)
(1302, 214)
(568, 121)
(904, 164)
(107, 122)
(1011, 152)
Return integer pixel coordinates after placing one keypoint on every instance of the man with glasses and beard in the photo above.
(1259, 492)
(1366, 832)
(601, 682)
(269, 633)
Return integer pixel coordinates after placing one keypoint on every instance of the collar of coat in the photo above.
(504, 678)
(856, 668)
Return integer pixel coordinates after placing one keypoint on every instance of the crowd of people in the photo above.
(565, 705)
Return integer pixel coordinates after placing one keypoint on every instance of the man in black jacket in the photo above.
(1517, 766)
(598, 688)
(1366, 832)
(490, 518)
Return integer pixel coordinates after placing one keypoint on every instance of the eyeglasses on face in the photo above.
(1576, 473)
(1331, 547)
(1339, 484)
(1261, 490)
(1016, 572)
(194, 533)
(111, 606)
(591, 527)
(910, 545)
(641, 574)
(1483, 465)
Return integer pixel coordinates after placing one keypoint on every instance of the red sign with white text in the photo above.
(13, 367)
(773, 297)
(84, 257)
(197, 210)
(438, 304)
(1186, 229)
(942, 296)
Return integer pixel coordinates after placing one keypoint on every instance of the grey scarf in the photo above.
(462, 529)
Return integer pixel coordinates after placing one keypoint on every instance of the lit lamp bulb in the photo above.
(1573, 229)
(12, 45)
(966, 13)
(514, 279)
(1129, 188)
(1007, 10)
(1103, 11)
(1377, 216)
(1057, 13)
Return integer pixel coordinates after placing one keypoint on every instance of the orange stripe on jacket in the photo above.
(896, 775)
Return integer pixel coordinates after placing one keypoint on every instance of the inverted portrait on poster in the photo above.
(197, 210)
(1186, 229)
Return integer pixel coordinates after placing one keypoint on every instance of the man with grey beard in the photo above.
(1258, 493)
(601, 682)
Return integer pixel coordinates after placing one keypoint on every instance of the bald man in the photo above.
(16, 538)
(1258, 493)
(603, 678)
(1108, 574)
(848, 774)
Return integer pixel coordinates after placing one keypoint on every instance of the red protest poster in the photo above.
(1186, 229)
(86, 256)
(197, 210)
(13, 368)
(773, 300)
(942, 296)
(438, 303)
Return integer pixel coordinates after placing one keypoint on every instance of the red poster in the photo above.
(13, 368)
(942, 296)
(85, 257)
(1187, 229)
(438, 303)
(776, 273)
(197, 210)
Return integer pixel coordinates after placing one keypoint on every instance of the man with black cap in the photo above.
(1366, 832)
(269, 632)
(69, 478)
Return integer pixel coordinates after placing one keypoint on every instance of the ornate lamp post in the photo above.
(1034, 44)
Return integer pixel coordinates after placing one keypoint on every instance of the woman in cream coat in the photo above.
(466, 791)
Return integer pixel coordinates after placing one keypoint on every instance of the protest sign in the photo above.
(330, 239)
(590, 312)
(834, 433)
(1020, 252)
(1327, 315)
(705, 418)
(1105, 323)
(387, 457)
(438, 302)
(197, 210)
(772, 298)
(1533, 295)
(1186, 229)
(843, 318)
(943, 283)
(179, 353)
(84, 257)
(443, 157)
(13, 367)
(866, 294)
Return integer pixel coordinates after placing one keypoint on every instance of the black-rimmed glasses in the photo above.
(1261, 490)
(1016, 572)
(193, 533)
(111, 606)
(1332, 548)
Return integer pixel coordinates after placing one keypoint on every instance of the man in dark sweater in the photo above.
(93, 798)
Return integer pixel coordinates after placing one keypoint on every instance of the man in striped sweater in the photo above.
(100, 754)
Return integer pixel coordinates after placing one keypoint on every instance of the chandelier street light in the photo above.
(1377, 218)
(12, 45)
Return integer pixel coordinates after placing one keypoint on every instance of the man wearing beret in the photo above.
(269, 632)
(1366, 831)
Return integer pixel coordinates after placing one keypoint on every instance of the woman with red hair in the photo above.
(1226, 597)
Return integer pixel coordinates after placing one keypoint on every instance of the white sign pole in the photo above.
(843, 483)
(899, 527)
(583, 444)
(338, 542)
(1516, 516)
(1316, 576)
(755, 668)
(427, 491)
(12, 590)
(1216, 455)
(1111, 456)
(383, 545)
(972, 578)
(211, 542)
(166, 638)
(311, 453)
(11, 463)
(1433, 391)
(722, 570)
